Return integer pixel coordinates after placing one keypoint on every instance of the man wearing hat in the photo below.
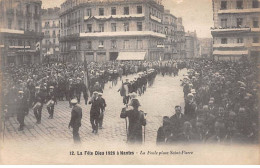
(190, 107)
(50, 102)
(136, 121)
(95, 112)
(102, 110)
(38, 104)
(75, 121)
(21, 109)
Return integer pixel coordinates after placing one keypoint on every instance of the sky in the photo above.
(196, 14)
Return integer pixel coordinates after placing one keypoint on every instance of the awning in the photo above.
(243, 52)
(131, 56)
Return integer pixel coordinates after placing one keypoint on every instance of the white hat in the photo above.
(51, 87)
(190, 95)
(74, 101)
(100, 94)
(193, 91)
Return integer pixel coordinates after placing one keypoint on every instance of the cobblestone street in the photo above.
(158, 101)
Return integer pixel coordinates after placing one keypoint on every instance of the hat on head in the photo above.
(190, 95)
(100, 94)
(193, 91)
(20, 91)
(95, 92)
(74, 101)
(51, 87)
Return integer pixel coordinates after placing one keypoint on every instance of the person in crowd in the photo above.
(75, 121)
(136, 122)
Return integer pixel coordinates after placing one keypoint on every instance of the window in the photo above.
(126, 10)
(240, 40)
(20, 24)
(139, 9)
(36, 10)
(36, 27)
(126, 26)
(89, 12)
(20, 43)
(255, 23)
(223, 5)
(126, 44)
(101, 27)
(224, 41)
(239, 4)
(139, 44)
(113, 11)
(239, 22)
(139, 26)
(113, 27)
(27, 8)
(101, 43)
(9, 23)
(28, 25)
(101, 11)
(89, 45)
(255, 4)
(53, 32)
(224, 23)
(89, 27)
(113, 44)
(256, 40)
(54, 41)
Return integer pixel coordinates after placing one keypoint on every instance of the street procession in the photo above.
(220, 98)
(128, 72)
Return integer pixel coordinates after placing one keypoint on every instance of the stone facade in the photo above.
(20, 31)
(236, 29)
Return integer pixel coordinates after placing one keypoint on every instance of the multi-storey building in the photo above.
(192, 45)
(20, 31)
(206, 47)
(180, 39)
(236, 29)
(51, 30)
(170, 43)
(103, 30)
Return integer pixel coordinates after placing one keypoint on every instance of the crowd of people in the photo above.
(30, 87)
(221, 105)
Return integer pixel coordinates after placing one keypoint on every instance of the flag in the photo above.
(86, 77)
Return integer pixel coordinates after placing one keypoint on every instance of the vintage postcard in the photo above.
(109, 82)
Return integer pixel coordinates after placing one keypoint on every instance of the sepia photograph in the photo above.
(129, 82)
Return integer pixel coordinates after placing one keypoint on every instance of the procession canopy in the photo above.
(131, 56)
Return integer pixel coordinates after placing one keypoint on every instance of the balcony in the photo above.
(233, 11)
(255, 44)
(230, 30)
(255, 29)
(232, 45)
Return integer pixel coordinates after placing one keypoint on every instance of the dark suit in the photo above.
(50, 109)
(95, 113)
(102, 107)
(21, 110)
(39, 97)
(75, 122)
(177, 122)
(136, 121)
